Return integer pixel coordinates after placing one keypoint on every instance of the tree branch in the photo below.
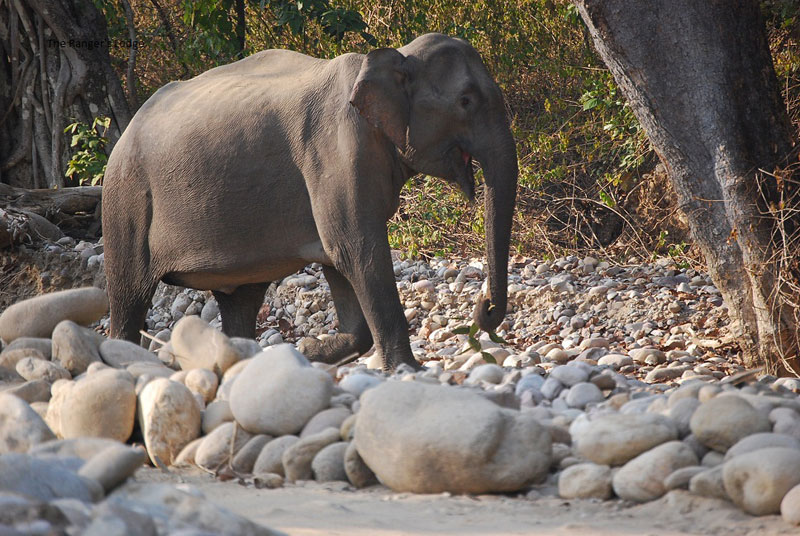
(173, 41)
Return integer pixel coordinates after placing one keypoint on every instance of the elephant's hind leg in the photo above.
(131, 280)
(354, 336)
(240, 309)
(128, 307)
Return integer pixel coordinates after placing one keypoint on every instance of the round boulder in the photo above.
(75, 347)
(169, 418)
(118, 353)
(724, 420)
(616, 438)
(427, 438)
(328, 464)
(38, 317)
(758, 481)
(102, 404)
(198, 345)
(277, 395)
(20, 426)
(585, 481)
(642, 478)
(790, 506)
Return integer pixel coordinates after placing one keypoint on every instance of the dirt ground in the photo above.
(313, 509)
(29, 272)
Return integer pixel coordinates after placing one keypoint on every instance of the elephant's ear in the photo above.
(379, 93)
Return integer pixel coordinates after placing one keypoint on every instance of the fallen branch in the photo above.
(45, 202)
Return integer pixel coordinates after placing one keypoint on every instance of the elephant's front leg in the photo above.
(364, 259)
(354, 337)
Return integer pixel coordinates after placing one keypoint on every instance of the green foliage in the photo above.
(677, 251)
(661, 241)
(88, 163)
(212, 22)
(471, 331)
(334, 22)
(433, 219)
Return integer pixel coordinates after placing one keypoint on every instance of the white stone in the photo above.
(75, 347)
(276, 395)
(615, 361)
(216, 450)
(758, 480)
(615, 438)
(761, 441)
(569, 375)
(582, 394)
(118, 353)
(20, 426)
(101, 404)
(585, 481)
(428, 438)
(203, 382)
(198, 345)
(32, 368)
(38, 317)
(790, 506)
(169, 419)
(358, 382)
(724, 420)
(489, 373)
(642, 478)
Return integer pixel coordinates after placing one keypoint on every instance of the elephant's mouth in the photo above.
(464, 173)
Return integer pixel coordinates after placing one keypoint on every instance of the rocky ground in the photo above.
(612, 386)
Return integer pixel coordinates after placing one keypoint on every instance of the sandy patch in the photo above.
(313, 509)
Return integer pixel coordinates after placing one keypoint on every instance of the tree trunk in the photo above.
(54, 69)
(241, 29)
(699, 77)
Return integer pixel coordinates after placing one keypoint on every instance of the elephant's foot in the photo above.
(393, 365)
(333, 349)
(338, 348)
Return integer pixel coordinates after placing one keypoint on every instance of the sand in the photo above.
(313, 509)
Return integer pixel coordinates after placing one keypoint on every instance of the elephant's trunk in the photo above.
(500, 170)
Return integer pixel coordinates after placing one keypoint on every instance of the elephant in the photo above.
(252, 170)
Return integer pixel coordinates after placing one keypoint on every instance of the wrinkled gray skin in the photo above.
(250, 171)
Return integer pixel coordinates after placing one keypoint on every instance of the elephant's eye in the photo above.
(465, 101)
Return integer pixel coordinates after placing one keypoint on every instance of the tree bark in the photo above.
(54, 69)
(700, 79)
(130, 77)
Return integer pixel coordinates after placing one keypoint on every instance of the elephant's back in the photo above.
(204, 126)
(227, 146)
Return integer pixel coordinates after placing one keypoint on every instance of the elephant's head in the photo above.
(435, 101)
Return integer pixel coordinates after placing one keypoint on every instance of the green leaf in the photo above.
(591, 103)
(473, 329)
(474, 344)
(370, 39)
(494, 337)
(489, 358)
(607, 199)
(460, 330)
